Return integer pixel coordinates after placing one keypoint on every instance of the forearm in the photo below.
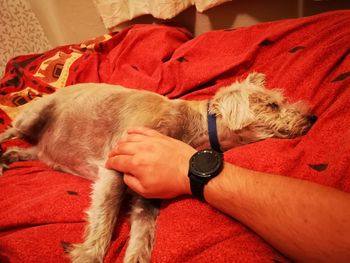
(305, 221)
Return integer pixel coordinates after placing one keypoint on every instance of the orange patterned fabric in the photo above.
(307, 57)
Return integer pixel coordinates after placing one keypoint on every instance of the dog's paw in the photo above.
(139, 256)
(135, 259)
(9, 157)
(6, 159)
(3, 167)
(79, 253)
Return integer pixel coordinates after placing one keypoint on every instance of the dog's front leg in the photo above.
(15, 154)
(107, 195)
(143, 223)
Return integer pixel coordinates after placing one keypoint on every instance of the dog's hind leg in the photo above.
(30, 122)
(107, 196)
(143, 223)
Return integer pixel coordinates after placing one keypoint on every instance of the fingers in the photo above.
(128, 143)
(130, 147)
(133, 182)
(120, 163)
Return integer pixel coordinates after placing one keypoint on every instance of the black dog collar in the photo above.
(212, 131)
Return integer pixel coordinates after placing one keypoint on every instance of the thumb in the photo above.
(134, 183)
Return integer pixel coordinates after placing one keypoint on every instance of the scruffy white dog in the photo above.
(74, 129)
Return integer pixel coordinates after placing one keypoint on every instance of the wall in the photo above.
(66, 21)
(20, 31)
(231, 14)
(239, 13)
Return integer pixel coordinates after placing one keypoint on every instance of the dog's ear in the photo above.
(256, 78)
(232, 106)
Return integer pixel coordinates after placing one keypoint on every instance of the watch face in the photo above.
(206, 163)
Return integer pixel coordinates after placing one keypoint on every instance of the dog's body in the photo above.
(75, 128)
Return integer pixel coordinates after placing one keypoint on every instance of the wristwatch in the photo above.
(204, 166)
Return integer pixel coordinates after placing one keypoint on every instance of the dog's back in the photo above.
(75, 128)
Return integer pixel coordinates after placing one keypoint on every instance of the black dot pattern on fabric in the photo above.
(167, 58)
(182, 59)
(72, 192)
(266, 42)
(295, 49)
(342, 76)
(319, 167)
(135, 67)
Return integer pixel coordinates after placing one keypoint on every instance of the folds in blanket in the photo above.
(279, 49)
(178, 66)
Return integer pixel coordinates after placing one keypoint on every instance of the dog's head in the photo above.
(255, 113)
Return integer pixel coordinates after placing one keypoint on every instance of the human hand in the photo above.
(154, 165)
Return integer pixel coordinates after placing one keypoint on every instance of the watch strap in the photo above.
(197, 187)
(204, 165)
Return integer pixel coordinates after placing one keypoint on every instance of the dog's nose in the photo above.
(312, 118)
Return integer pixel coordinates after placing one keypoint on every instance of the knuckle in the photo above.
(136, 161)
(146, 146)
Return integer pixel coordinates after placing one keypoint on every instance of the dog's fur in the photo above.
(74, 129)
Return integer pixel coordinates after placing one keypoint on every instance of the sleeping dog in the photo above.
(74, 129)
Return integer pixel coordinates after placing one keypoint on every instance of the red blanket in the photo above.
(308, 58)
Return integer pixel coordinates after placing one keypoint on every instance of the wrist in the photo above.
(203, 167)
(226, 189)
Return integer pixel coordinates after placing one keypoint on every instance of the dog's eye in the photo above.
(274, 106)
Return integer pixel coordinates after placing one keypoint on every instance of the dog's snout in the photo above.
(312, 118)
